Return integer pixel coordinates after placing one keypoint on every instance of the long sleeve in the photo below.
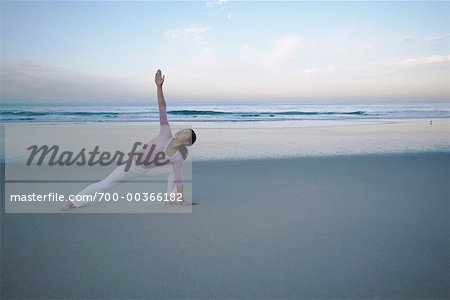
(165, 127)
(163, 116)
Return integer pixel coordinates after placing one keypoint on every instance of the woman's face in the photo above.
(183, 136)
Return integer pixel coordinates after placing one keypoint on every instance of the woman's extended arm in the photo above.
(159, 80)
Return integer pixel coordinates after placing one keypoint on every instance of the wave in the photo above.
(20, 115)
(65, 113)
(218, 113)
(264, 113)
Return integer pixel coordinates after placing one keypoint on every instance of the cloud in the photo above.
(439, 37)
(192, 32)
(364, 47)
(284, 50)
(211, 4)
(408, 38)
(317, 72)
(30, 81)
(419, 60)
(198, 52)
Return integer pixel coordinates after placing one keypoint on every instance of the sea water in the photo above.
(250, 115)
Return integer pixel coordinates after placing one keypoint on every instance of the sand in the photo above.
(268, 140)
(352, 226)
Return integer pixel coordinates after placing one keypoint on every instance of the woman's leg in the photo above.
(116, 177)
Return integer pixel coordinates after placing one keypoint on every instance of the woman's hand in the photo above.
(159, 78)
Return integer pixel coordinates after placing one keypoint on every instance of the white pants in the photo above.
(119, 175)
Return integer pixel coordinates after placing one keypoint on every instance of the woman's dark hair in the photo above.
(183, 149)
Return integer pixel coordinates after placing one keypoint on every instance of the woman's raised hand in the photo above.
(159, 78)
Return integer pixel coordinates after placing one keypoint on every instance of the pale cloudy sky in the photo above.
(102, 52)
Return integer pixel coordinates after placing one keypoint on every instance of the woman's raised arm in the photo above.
(159, 80)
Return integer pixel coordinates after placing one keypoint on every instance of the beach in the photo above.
(224, 150)
(252, 140)
(344, 212)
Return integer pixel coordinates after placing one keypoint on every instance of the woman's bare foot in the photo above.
(68, 206)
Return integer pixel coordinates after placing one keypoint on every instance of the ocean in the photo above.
(57, 114)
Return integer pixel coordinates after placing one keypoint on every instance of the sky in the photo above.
(219, 51)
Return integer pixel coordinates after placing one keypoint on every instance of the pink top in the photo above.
(161, 142)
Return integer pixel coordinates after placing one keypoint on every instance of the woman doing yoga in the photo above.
(174, 148)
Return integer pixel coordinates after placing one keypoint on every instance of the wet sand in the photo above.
(354, 226)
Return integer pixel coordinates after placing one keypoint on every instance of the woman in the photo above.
(174, 148)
